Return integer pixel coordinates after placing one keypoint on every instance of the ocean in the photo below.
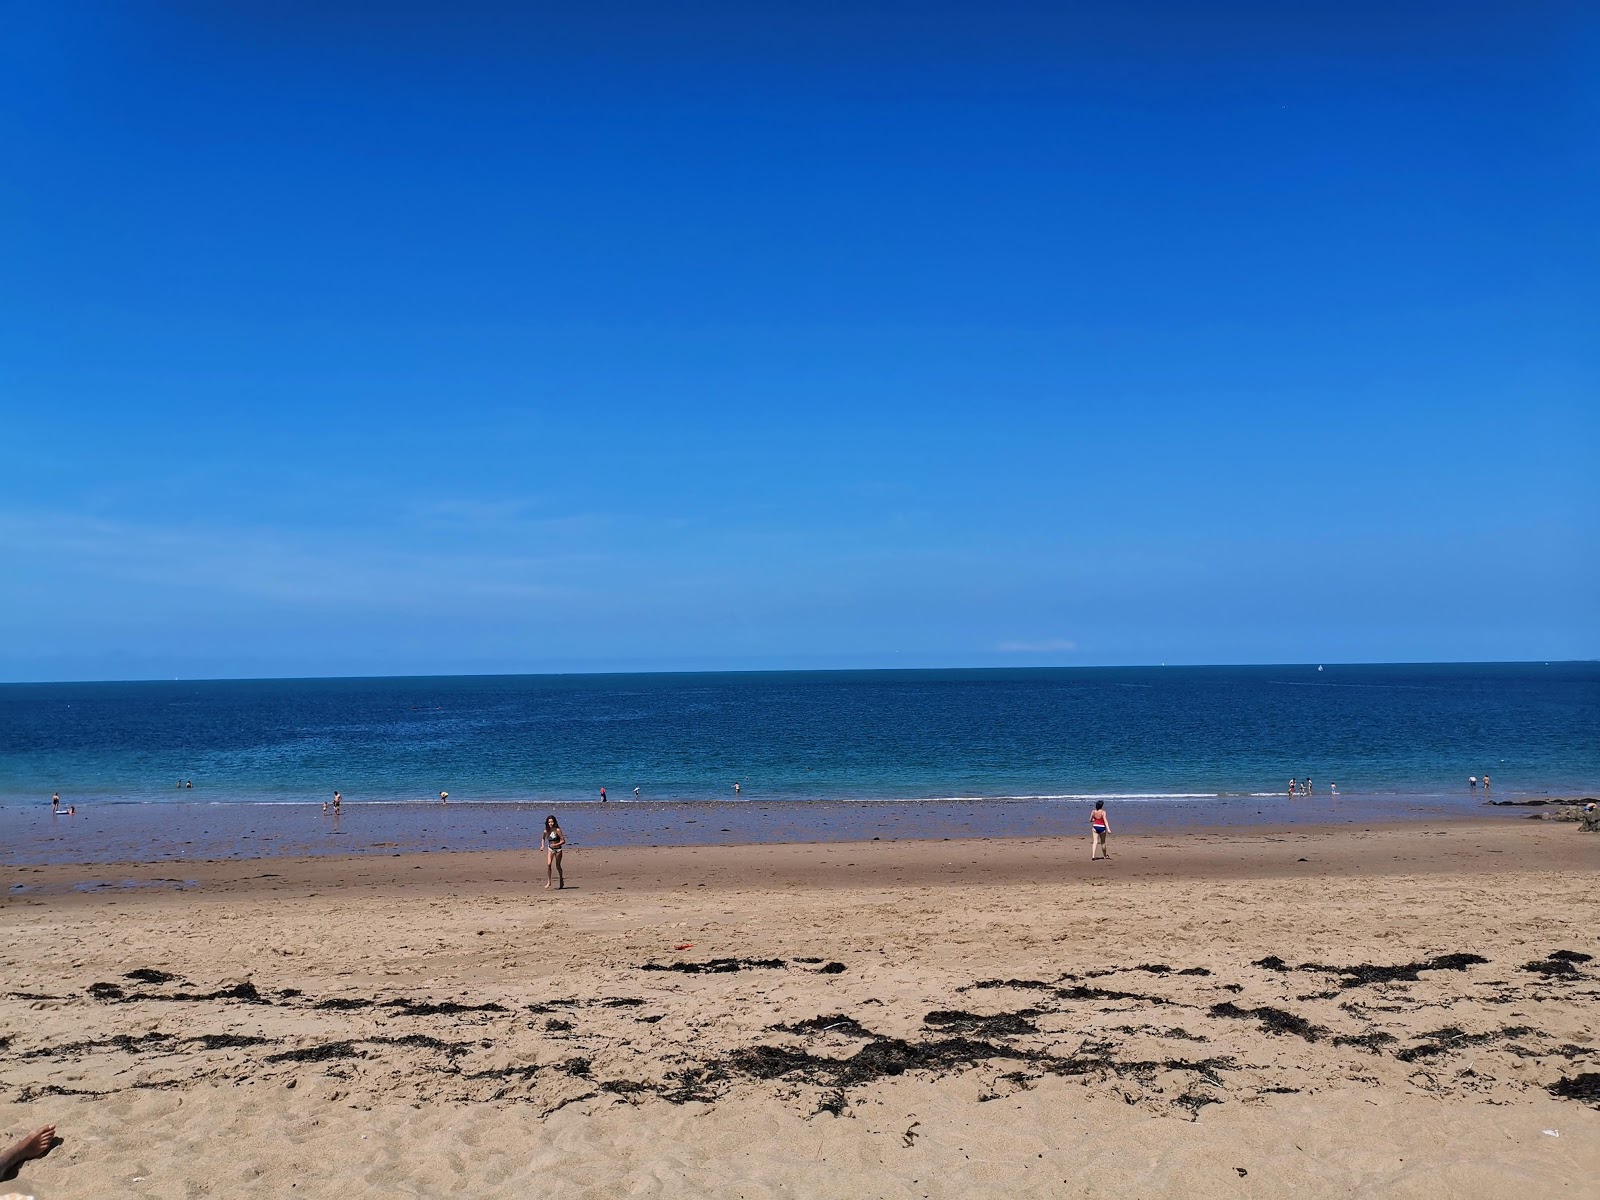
(915, 752)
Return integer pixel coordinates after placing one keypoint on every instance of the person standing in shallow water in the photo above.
(553, 842)
(1099, 831)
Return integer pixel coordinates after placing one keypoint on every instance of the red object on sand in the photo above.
(685, 946)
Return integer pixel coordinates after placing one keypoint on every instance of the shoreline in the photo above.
(180, 831)
(1260, 852)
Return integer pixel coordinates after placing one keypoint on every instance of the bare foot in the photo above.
(36, 1145)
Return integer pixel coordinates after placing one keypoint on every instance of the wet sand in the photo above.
(1396, 1011)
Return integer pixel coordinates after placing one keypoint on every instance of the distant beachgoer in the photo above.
(1099, 831)
(188, 783)
(324, 808)
(735, 789)
(552, 841)
(34, 1145)
(444, 797)
(55, 802)
(1292, 786)
(1472, 782)
(1309, 788)
(1486, 785)
(635, 793)
(1333, 789)
(602, 795)
(337, 800)
(72, 810)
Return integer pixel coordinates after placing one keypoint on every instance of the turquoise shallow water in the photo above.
(1195, 745)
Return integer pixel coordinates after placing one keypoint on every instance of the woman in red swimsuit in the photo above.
(1100, 829)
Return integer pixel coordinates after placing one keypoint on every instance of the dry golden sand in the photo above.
(594, 1077)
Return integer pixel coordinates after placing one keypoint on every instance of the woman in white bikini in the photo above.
(553, 842)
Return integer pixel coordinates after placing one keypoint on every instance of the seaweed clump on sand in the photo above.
(1559, 964)
(1453, 1037)
(1362, 974)
(429, 1008)
(228, 1041)
(1273, 1020)
(1034, 984)
(717, 966)
(999, 1024)
(1079, 991)
(1585, 1087)
(323, 1053)
(1367, 1041)
(113, 993)
(150, 975)
(878, 1059)
(122, 1041)
(837, 1023)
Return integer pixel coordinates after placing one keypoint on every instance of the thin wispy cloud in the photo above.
(1044, 646)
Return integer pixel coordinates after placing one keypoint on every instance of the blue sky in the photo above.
(498, 338)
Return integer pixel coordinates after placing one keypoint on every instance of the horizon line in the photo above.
(1012, 669)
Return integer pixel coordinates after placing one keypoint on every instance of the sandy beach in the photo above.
(1402, 1011)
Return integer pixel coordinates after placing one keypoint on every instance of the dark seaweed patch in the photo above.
(1273, 1020)
(1585, 1087)
(1195, 971)
(122, 1041)
(1453, 1037)
(620, 1002)
(113, 993)
(1000, 1024)
(427, 1043)
(1194, 1102)
(1362, 974)
(1038, 984)
(1367, 1041)
(837, 1023)
(228, 1041)
(716, 966)
(626, 1087)
(833, 968)
(344, 1003)
(833, 1102)
(575, 1066)
(428, 1008)
(150, 975)
(1083, 992)
(1572, 956)
(323, 1053)
(879, 1059)
(557, 1025)
(1365, 973)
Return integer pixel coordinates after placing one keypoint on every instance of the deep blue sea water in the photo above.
(1017, 741)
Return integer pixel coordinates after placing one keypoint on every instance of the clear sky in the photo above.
(485, 337)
